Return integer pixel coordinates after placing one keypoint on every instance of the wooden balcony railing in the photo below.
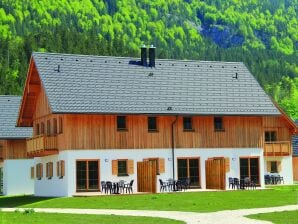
(42, 146)
(280, 148)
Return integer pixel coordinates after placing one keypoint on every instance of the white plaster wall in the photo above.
(286, 167)
(17, 177)
(67, 185)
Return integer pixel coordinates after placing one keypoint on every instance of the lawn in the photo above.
(47, 218)
(192, 201)
(288, 217)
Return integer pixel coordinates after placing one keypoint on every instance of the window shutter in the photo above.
(32, 172)
(269, 166)
(41, 170)
(114, 167)
(47, 169)
(62, 169)
(58, 169)
(161, 164)
(227, 162)
(278, 166)
(130, 167)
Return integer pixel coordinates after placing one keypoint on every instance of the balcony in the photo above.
(280, 148)
(42, 146)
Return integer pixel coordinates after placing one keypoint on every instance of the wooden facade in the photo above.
(12, 149)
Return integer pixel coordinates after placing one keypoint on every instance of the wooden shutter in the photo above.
(161, 165)
(130, 167)
(279, 168)
(32, 172)
(114, 167)
(58, 169)
(227, 163)
(269, 166)
(62, 169)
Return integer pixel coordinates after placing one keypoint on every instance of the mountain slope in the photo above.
(262, 33)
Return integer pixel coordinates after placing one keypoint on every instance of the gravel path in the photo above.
(221, 217)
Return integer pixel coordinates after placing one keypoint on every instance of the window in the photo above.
(152, 124)
(60, 169)
(39, 171)
(55, 131)
(60, 125)
(49, 170)
(218, 124)
(122, 167)
(187, 124)
(273, 166)
(42, 128)
(270, 136)
(48, 127)
(121, 122)
(37, 130)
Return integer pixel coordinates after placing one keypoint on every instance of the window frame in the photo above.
(126, 168)
(155, 123)
(184, 120)
(60, 169)
(60, 131)
(272, 134)
(55, 126)
(49, 128)
(42, 129)
(218, 123)
(37, 129)
(276, 167)
(118, 122)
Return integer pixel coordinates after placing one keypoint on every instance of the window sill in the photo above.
(153, 131)
(122, 129)
(219, 130)
(188, 130)
(122, 175)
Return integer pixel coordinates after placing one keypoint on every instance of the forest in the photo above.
(261, 33)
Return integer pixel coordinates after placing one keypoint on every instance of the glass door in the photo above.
(93, 175)
(249, 167)
(189, 168)
(87, 175)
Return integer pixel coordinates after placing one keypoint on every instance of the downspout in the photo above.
(173, 146)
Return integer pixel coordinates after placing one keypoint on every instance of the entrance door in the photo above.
(88, 175)
(189, 168)
(249, 167)
(215, 173)
(147, 176)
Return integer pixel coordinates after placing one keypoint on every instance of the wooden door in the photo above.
(215, 173)
(147, 176)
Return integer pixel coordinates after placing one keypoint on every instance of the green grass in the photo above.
(47, 218)
(287, 217)
(192, 201)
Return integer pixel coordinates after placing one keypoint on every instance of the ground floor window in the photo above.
(249, 167)
(87, 175)
(189, 168)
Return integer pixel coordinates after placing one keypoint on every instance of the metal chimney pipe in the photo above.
(152, 56)
(144, 55)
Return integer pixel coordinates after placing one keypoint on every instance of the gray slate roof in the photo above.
(99, 84)
(9, 108)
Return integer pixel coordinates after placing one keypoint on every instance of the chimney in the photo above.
(152, 56)
(144, 55)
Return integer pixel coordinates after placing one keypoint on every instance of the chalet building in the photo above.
(98, 118)
(14, 165)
